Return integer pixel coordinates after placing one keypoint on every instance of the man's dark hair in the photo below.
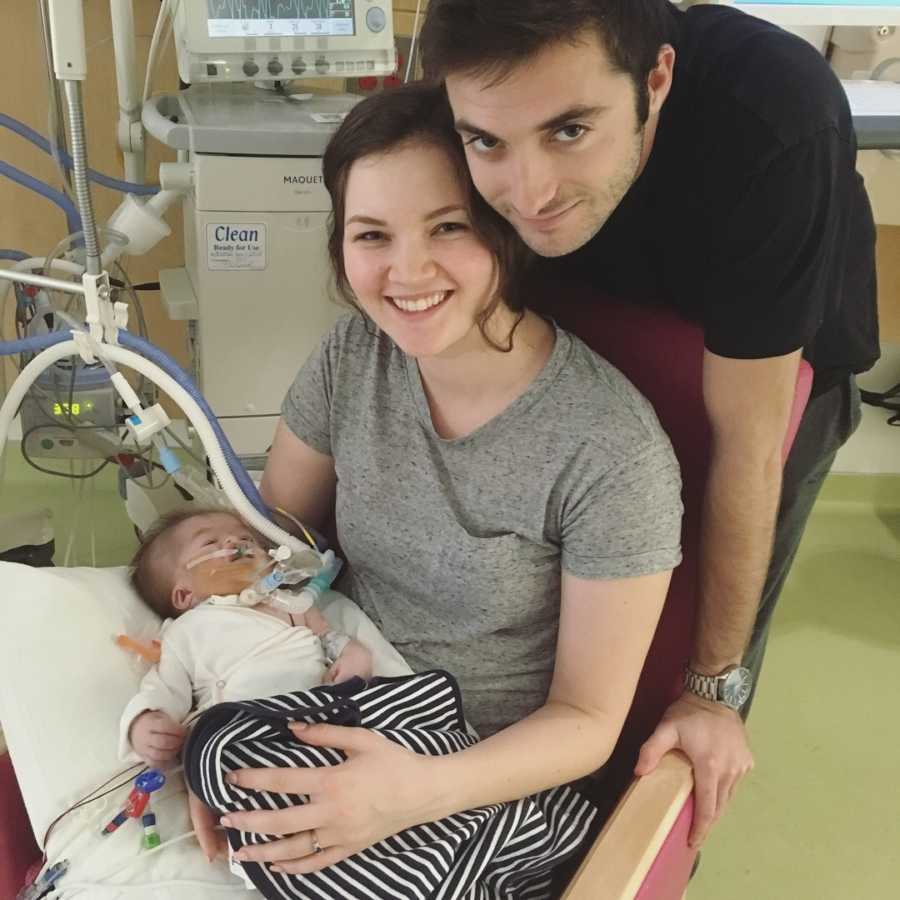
(418, 114)
(491, 37)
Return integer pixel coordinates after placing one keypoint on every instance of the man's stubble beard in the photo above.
(596, 208)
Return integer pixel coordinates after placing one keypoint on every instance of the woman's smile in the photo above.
(415, 304)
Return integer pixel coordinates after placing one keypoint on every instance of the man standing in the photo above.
(705, 160)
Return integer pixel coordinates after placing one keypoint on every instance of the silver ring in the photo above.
(316, 846)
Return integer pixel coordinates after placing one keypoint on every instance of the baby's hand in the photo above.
(156, 737)
(355, 659)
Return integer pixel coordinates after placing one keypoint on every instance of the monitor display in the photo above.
(279, 18)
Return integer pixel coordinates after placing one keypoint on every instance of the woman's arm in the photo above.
(605, 631)
(604, 634)
(299, 479)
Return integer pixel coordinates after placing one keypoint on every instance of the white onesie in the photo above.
(222, 651)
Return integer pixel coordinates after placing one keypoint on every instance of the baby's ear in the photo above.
(182, 598)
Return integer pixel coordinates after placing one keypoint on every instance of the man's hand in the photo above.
(156, 737)
(715, 740)
(355, 660)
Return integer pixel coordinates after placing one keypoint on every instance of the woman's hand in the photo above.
(379, 790)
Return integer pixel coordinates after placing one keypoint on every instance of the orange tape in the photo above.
(150, 652)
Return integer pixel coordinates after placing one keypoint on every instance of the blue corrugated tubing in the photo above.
(73, 219)
(15, 255)
(34, 344)
(170, 367)
(25, 131)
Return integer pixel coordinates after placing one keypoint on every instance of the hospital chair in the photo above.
(642, 852)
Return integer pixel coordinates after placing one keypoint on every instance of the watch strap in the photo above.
(705, 686)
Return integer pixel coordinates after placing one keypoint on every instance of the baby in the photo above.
(191, 569)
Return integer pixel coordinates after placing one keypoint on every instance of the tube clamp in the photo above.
(86, 345)
(100, 316)
(150, 422)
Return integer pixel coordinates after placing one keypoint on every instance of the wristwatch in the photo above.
(731, 687)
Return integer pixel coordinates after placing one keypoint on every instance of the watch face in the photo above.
(736, 688)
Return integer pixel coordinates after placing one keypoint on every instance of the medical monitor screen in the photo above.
(279, 18)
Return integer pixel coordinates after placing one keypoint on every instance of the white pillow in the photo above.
(63, 686)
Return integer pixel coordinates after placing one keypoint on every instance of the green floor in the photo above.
(819, 817)
(23, 488)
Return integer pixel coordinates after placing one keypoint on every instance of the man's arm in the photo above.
(748, 403)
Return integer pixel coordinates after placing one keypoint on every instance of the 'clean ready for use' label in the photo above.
(235, 245)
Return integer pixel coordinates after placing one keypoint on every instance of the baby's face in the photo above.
(216, 554)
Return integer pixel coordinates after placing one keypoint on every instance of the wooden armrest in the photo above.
(617, 864)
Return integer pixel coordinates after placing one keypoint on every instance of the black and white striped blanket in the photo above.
(506, 851)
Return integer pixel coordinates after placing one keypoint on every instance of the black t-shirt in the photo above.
(749, 217)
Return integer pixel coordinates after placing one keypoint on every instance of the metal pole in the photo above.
(80, 176)
(53, 284)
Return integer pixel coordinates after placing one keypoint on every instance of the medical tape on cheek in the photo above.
(234, 566)
(238, 570)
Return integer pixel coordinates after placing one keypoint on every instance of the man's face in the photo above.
(555, 145)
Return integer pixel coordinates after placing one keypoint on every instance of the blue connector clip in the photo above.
(169, 459)
(272, 581)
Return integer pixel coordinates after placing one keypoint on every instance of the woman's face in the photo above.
(412, 260)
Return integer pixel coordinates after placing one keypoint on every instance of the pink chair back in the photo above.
(663, 356)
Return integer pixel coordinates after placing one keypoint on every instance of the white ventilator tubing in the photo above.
(243, 507)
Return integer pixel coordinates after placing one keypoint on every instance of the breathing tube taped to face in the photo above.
(151, 362)
(289, 570)
(227, 574)
(223, 553)
(282, 568)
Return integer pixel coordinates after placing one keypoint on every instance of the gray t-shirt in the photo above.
(456, 547)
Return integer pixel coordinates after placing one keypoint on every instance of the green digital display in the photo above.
(72, 410)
